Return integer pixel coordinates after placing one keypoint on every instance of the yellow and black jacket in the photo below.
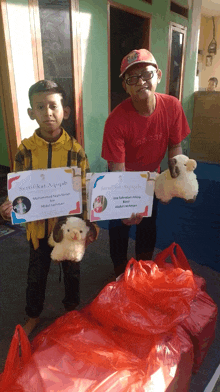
(35, 153)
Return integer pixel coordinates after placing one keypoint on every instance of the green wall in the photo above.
(95, 83)
(3, 145)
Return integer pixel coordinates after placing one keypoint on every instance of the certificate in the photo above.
(42, 194)
(117, 195)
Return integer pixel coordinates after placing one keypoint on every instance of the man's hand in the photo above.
(92, 234)
(6, 209)
(135, 219)
(114, 166)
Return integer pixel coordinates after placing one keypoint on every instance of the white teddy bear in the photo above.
(177, 181)
(68, 239)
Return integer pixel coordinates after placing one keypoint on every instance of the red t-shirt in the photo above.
(141, 142)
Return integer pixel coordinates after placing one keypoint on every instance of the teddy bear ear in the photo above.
(58, 231)
(191, 165)
(173, 168)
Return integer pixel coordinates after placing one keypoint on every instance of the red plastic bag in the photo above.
(200, 325)
(201, 322)
(178, 260)
(168, 357)
(126, 340)
(18, 355)
(76, 354)
(146, 300)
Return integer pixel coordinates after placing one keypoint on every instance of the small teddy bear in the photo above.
(178, 180)
(68, 239)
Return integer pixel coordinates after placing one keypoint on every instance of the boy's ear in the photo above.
(31, 114)
(159, 75)
(66, 112)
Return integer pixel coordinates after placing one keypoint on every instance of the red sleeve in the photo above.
(113, 145)
(179, 129)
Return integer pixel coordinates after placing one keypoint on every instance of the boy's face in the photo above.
(48, 111)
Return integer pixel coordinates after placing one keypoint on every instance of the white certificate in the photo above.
(117, 195)
(42, 194)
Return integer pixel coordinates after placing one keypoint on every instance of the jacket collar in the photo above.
(35, 141)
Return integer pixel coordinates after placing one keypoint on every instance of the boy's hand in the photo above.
(92, 234)
(135, 219)
(90, 238)
(6, 209)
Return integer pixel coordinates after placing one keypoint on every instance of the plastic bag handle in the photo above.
(134, 267)
(14, 359)
(162, 256)
(179, 260)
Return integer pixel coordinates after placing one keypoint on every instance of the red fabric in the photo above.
(141, 142)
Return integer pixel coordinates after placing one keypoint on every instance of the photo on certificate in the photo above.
(46, 193)
(117, 195)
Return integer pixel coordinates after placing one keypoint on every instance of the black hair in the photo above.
(215, 80)
(47, 86)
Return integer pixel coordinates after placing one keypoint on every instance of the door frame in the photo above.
(181, 29)
(8, 89)
(75, 55)
(9, 97)
(111, 3)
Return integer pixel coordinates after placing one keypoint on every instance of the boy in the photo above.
(50, 146)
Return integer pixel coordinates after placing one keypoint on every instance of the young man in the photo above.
(212, 84)
(136, 136)
(49, 147)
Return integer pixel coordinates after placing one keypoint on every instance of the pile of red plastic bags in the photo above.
(148, 331)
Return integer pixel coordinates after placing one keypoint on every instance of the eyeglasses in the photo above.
(132, 80)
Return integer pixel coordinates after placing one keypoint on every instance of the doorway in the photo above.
(128, 29)
(57, 50)
(57, 27)
(176, 60)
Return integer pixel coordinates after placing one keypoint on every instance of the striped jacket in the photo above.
(35, 153)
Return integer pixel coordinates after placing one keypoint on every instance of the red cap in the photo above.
(135, 57)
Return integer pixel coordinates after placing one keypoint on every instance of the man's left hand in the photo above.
(135, 219)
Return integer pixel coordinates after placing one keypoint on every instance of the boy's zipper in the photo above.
(49, 159)
(49, 162)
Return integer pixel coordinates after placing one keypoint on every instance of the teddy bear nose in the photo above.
(75, 234)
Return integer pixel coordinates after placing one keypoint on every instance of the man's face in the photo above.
(143, 89)
(211, 85)
(48, 111)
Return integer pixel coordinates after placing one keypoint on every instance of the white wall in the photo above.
(206, 34)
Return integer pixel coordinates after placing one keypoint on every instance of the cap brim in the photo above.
(138, 62)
